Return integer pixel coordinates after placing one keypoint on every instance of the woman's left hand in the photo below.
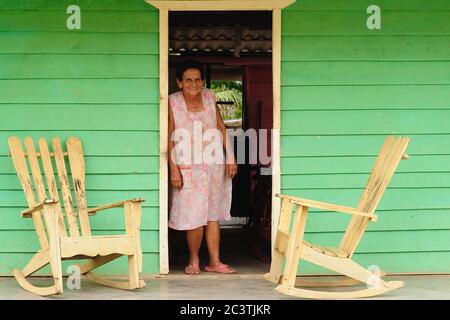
(231, 169)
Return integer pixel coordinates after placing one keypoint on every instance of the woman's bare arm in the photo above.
(176, 178)
(230, 160)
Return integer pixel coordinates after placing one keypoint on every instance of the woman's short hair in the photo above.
(189, 64)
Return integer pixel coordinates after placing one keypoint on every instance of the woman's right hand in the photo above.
(176, 179)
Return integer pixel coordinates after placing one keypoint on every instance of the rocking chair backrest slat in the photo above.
(20, 164)
(21, 167)
(370, 199)
(65, 188)
(77, 167)
(377, 170)
(382, 172)
(51, 183)
(38, 192)
(35, 170)
(37, 177)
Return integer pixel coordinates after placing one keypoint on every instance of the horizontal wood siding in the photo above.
(100, 83)
(344, 88)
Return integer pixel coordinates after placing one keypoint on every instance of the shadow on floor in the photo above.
(238, 249)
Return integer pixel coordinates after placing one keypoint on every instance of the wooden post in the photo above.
(163, 139)
(276, 74)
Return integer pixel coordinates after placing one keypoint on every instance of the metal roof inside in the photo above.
(220, 33)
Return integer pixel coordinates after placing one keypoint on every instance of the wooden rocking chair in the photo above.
(56, 242)
(290, 244)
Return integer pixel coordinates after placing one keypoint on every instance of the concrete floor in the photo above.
(218, 287)
(247, 284)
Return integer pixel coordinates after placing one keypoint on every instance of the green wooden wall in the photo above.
(100, 83)
(344, 88)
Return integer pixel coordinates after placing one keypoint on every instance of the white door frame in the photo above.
(164, 7)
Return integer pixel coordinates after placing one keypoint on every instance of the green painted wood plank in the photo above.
(366, 122)
(393, 199)
(112, 219)
(94, 197)
(406, 262)
(79, 117)
(403, 262)
(401, 220)
(399, 241)
(354, 23)
(308, 5)
(298, 5)
(357, 48)
(80, 43)
(99, 143)
(9, 261)
(150, 265)
(361, 5)
(364, 73)
(411, 262)
(359, 145)
(26, 241)
(47, 66)
(358, 181)
(109, 182)
(83, 4)
(318, 221)
(103, 165)
(91, 21)
(80, 91)
(365, 97)
(361, 165)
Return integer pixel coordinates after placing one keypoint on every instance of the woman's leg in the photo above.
(194, 239)
(212, 235)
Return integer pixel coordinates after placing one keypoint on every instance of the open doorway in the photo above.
(236, 50)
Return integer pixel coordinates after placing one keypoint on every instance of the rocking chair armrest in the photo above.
(28, 213)
(329, 207)
(92, 211)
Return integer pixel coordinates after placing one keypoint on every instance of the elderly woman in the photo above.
(201, 180)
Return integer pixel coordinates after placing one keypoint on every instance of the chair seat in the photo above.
(329, 251)
(96, 245)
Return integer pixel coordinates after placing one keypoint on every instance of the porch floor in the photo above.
(247, 284)
(219, 287)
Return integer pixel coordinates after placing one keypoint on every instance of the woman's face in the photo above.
(191, 83)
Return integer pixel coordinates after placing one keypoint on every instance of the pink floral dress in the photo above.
(206, 192)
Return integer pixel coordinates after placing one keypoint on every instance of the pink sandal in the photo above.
(221, 268)
(192, 269)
